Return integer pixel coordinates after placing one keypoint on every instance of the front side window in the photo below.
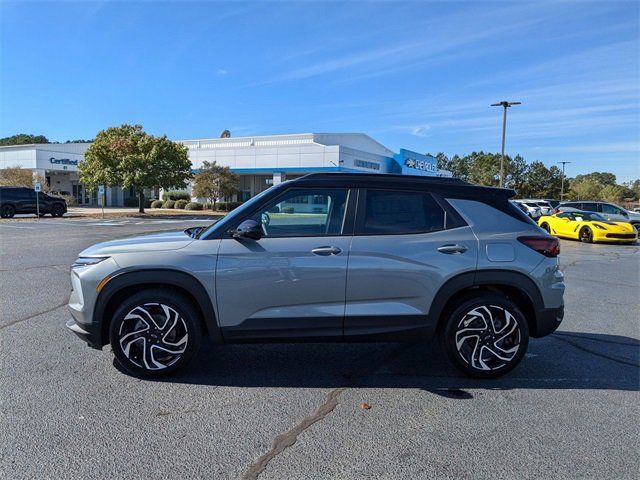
(610, 209)
(398, 212)
(304, 213)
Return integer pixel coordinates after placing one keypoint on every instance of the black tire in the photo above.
(7, 211)
(545, 226)
(145, 343)
(57, 210)
(488, 318)
(586, 235)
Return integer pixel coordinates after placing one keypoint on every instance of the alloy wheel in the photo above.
(488, 337)
(153, 336)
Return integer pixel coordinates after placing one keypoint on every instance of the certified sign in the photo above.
(37, 187)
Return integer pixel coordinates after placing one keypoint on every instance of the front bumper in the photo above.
(547, 321)
(85, 333)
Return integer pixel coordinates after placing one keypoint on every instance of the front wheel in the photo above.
(586, 235)
(155, 332)
(545, 226)
(57, 211)
(486, 335)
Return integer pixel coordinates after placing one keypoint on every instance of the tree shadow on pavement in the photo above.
(564, 360)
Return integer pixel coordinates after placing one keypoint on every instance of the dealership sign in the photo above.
(63, 161)
(421, 165)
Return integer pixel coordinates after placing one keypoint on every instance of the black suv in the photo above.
(23, 200)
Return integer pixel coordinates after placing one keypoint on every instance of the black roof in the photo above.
(446, 186)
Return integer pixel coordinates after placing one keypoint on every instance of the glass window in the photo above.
(611, 209)
(397, 212)
(304, 213)
(589, 207)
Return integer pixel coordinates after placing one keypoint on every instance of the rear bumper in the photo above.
(548, 320)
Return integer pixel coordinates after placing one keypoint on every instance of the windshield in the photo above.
(248, 205)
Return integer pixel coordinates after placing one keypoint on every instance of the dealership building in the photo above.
(260, 161)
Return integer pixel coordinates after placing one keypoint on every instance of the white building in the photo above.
(261, 161)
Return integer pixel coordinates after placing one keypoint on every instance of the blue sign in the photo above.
(414, 163)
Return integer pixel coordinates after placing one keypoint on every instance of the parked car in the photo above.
(552, 202)
(588, 227)
(388, 257)
(545, 207)
(609, 211)
(533, 210)
(23, 200)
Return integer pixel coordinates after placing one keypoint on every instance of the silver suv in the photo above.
(330, 257)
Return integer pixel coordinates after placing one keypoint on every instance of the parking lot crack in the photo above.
(13, 322)
(597, 354)
(287, 439)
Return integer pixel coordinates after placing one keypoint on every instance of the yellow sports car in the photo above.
(588, 227)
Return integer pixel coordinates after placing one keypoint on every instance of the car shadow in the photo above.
(564, 360)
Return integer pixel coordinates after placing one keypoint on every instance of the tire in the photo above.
(57, 210)
(155, 333)
(492, 323)
(545, 226)
(586, 235)
(637, 227)
(7, 211)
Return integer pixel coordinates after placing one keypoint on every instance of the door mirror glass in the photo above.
(248, 229)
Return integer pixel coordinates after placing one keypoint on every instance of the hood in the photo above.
(633, 215)
(155, 242)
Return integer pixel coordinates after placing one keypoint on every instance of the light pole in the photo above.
(562, 187)
(505, 105)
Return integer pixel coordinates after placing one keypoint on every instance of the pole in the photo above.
(562, 184)
(38, 206)
(504, 104)
(504, 133)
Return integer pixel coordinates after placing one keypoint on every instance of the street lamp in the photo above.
(505, 105)
(562, 187)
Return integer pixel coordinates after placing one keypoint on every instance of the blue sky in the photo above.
(417, 75)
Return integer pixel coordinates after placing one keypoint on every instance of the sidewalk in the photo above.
(117, 212)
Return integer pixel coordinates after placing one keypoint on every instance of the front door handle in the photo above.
(452, 249)
(326, 251)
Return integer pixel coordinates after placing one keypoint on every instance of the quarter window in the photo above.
(610, 209)
(304, 213)
(398, 212)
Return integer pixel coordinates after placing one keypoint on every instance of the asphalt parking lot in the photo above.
(570, 410)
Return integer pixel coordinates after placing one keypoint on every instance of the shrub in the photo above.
(221, 205)
(175, 195)
(193, 206)
(233, 205)
(169, 204)
(287, 209)
(180, 204)
(157, 204)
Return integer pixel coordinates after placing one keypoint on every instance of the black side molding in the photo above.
(158, 277)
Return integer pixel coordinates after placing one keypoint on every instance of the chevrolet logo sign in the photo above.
(410, 162)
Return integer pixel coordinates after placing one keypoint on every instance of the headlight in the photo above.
(86, 261)
(599, 226)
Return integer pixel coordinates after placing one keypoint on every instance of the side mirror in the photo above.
(248, 229)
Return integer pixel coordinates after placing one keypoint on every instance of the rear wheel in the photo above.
(586, 235)
(486, 335)
(7, 211)
(155, 332)
(57, 210)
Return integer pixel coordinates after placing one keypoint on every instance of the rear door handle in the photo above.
(326, 251)
(452, 249)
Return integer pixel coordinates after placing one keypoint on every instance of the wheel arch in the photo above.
(125, 284)
(514, 285)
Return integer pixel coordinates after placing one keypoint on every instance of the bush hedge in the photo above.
(180, 204)
(287, 210)
(193, 206)
(169, 204)
(227, 206)
(176, 195)
(157, 204)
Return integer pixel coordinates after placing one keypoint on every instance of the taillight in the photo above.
(547, 246)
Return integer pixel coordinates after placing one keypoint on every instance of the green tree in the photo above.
(516, 171)
(23, 139)
(603, 178)
(214, 181)
(483, 168)
(613, 193)
(584, 189)
(128, 156)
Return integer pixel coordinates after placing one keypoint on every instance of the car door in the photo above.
(26, 201)
(562, 225)
(291, 282)
(406, 244)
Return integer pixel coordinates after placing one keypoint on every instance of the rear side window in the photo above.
(589, 207)
(390, 212)
(14, 193)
